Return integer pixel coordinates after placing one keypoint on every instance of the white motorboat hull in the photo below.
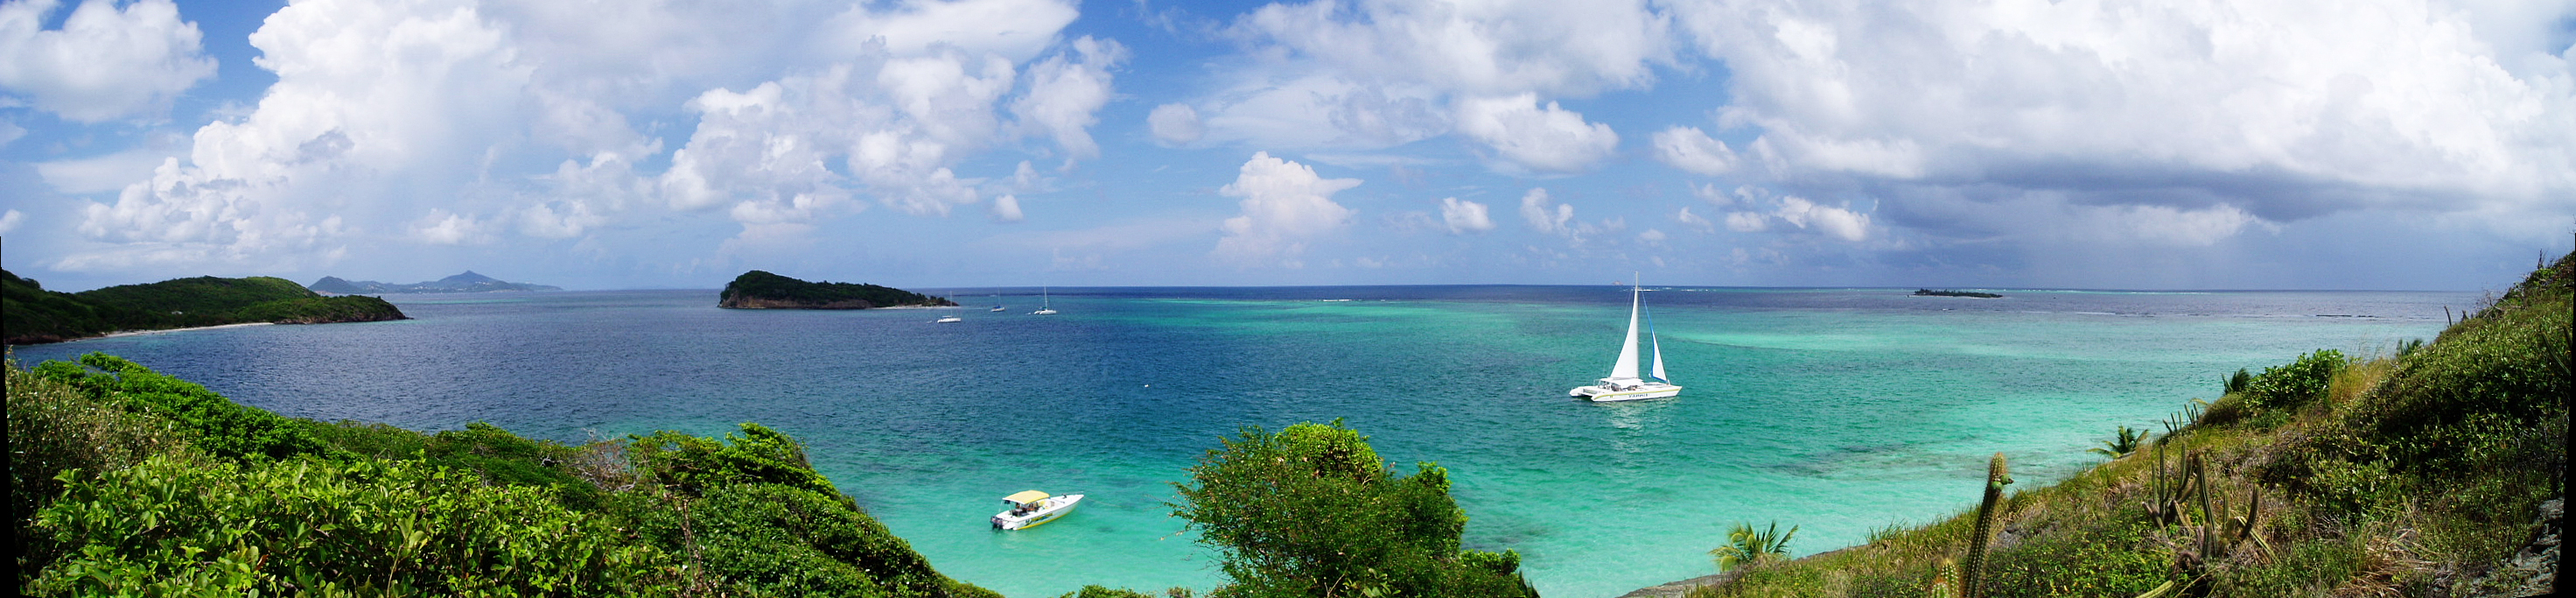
(1600, 394)
(1051, 509)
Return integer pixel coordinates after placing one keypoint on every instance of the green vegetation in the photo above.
(36, 315)
(2420, 473)
(1312, 511)
(1747, 547)
(125, 481)
(2120, 445)
(762, 290)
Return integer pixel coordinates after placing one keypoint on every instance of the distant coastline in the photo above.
(1955, 293)
(468, 282)
(35, 315)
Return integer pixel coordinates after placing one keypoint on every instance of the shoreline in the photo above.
(168, 330)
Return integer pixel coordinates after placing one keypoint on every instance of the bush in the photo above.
(216, 425)
(2289, 386)
(692, 464)
(197, 526)
(54, 428)
(1312, 511)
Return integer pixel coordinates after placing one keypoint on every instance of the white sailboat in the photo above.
(1045, 306)
(1623, 383)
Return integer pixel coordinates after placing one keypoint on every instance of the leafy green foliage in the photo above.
(1747, 547)
(762, 289)
(691, 464)
(214, 424)
(32, 314)
(2239, 381)
(1313, 511)
(2121, 444)
(169, 489)
(36, 315)
(2289, 386)
(54, 428)
(275, 527)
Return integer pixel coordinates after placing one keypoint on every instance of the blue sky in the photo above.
(2150, 144)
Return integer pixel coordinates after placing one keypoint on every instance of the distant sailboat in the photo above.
(997, 299)
(1046, 307)
(1623, 383)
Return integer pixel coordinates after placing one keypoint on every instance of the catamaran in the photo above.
(1623, 383)
(1031, 508)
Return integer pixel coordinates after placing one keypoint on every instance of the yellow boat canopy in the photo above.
(1026, 497)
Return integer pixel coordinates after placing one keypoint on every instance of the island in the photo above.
(469, 282)
(763, 290)
(1949, 293)
(35, 315)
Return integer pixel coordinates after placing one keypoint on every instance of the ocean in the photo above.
(1834, 410)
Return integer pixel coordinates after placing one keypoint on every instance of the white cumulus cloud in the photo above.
(104, 63)
(1464, 216)
(1544, 215)
(1544, 138)
(1284, 205)
(484, 121)
(1693, 151)
(1175, 125)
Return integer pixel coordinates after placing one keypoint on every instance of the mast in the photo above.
(1627, 365)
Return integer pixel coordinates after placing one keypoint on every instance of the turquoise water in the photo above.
(1834, 410)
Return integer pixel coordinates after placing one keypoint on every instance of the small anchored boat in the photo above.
(1030, 508)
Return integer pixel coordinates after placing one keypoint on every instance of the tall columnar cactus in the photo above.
(1972, 572)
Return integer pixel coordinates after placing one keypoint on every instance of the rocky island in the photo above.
(469, 282)
(36, 315)
(763, 290)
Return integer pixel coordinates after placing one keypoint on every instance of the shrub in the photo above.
(692, 464)
(216, 425)
(54, 428)
(2292, 385)
(193, 526)
(1312, 511)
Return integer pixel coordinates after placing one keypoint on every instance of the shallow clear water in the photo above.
(1836, 410)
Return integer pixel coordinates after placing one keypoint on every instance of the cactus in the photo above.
(1972, 572)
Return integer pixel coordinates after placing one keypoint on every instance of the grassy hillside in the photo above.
(35, 315)
(763, 290)
(124, 481)
(2421, 473)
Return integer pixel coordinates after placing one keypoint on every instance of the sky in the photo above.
(2104, 144)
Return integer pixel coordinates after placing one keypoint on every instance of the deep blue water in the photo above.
(1837, 410)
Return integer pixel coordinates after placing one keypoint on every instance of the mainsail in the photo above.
(1626, 368)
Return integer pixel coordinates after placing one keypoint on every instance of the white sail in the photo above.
(1626, 368)
(1659, 360)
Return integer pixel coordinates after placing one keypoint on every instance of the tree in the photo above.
(1746, 547)
(1312, 511)
(2127, 442)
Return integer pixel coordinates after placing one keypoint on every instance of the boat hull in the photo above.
(1051, 509)
(1604, 395)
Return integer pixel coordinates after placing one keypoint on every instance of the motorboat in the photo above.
(1624, 384)
(1032, 508)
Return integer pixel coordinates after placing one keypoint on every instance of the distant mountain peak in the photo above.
(469, 282)
(469, 277)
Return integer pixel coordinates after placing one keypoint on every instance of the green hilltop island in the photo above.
(35, 315)
(469, 282)
(762, 290)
